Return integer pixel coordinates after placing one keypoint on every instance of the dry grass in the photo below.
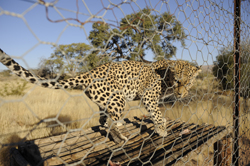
(60, 111)
(64, 110)
(208, 105)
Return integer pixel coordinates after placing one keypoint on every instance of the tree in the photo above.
(245, 69)
(75, 57)
(49, 67)
(224, 68)
(137, 33)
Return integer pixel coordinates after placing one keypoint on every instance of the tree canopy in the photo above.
(75, 57)
(137, 33)
(224, 68)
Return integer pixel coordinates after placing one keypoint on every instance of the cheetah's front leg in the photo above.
(150, 101)
(159, 122)
(116, 134)
(114, 131)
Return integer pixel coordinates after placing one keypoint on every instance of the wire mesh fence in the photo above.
(46, 120)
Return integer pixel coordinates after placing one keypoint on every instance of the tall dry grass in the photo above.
(57, 111)
(60, 111)
(209, 104)
(63, 110)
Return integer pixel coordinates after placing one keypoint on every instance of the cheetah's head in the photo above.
(182, 86)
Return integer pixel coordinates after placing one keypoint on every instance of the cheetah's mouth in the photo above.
(170, 97)
(166, 96)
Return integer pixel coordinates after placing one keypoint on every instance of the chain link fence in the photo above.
(58, 40)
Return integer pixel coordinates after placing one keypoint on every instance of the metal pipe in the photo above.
(236, 113)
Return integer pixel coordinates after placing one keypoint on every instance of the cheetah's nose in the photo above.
(179, 95)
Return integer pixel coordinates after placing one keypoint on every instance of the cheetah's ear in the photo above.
(199, 68)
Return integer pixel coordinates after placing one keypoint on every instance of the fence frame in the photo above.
(235, 143)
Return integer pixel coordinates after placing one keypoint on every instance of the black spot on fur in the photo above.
(71, 83)
(45, 84)
(19, 73)
(9, 63)
(101, 98)
(16, 67)
(53, 83)
(27, 74)
(32, 80)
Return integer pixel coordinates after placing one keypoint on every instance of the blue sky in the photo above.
(26, 33)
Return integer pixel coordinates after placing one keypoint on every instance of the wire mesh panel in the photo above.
(124, 82)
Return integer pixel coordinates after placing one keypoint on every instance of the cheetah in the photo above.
(111, 85)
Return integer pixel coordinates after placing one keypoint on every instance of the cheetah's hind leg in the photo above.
(115, 132)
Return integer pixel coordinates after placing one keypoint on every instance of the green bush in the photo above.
(10, 89)
(6, 73)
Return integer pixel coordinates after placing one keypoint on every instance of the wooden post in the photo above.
(223, 151)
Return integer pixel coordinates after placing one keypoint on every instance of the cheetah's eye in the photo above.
(177, 81)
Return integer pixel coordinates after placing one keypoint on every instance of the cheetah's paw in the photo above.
(117, 136)
(161, 130)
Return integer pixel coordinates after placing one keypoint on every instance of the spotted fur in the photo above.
(112, 84)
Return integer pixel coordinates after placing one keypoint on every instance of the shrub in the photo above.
(6, 73)
(14, 89)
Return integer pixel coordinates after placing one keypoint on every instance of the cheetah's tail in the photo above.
(28, 76)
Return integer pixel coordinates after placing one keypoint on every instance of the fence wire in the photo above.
(58, 40)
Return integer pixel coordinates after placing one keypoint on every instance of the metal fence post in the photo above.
(237, 11)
